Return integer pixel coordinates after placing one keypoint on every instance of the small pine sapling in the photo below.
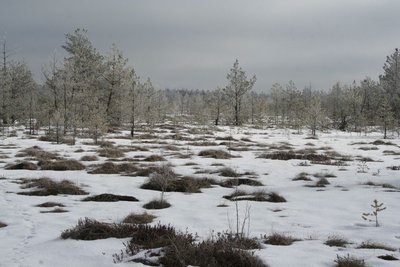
(377, 207)
(362, 167)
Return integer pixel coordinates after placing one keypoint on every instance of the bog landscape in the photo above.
(99, 167)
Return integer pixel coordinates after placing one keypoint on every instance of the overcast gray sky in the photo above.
(193, 43)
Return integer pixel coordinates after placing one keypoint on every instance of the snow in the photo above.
(32, 238)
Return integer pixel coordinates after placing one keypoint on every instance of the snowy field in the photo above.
(358, 170)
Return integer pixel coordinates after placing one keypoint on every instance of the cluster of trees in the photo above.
(90, 93)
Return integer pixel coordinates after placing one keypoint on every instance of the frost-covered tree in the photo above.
(238, 86)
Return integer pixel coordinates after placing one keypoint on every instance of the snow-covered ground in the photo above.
(312, 214)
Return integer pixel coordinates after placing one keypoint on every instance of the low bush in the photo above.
(50, 205)
(89, 158)
(156, 205)
(375, 245)
(388, 257)
(240, 181)
(62, 165)
(182, 249)
(216, 154)
(336, 241)
(349, 261)
(139, 218)
(89, 229)
(153, 158)
(47, 187)
(37, 153)
(110, 198)
(112, 168)
(261, 196)
(280, 239)
(111, 152)
(24, 165)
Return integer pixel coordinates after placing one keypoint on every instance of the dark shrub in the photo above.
(137, 218)
(109, 198)
(156, 205)
(56, 210)
(50, 205)
(62, 165)
(46, 187)
(24, 165)
(2, 225)
(111, 152)
(111, 168)
(89, 229)
(240, 181)
(153, 158)
(89, 158)
(388, 257)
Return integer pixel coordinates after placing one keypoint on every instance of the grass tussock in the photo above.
(349, 261)
(89, 229)
(336, 241)
(182, 249)
(228, 172)
(156, 205)
(110, 198)
(303, 176)
(240, 181)
(375, 245)
(111, 152)
(24, 165)
(37, 153)
(383, 185)
(50, 205)
(139, 218)
(288, 155)
(62, 165)
(112, 168)
(47, 187)
(260, 196)
(322, 182)
(2, 225)
(153, 158)
(216, 154)
(280, 239)
(89, 158)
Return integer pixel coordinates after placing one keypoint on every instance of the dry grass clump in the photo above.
(2, 225)
(111, 152)
(203, 143)
(394, 168)
(182, 249)
(47, 187)
(240, 181)
(228, 172)
(375, 245)
(62, 165)
(157, 205)
(37, 153)
(139, 218)
(322, 182)
(174, 183)
(89, 158)
(383, 185)
(349, 261)
(110, 198)
(112, 168)
(216, 154)
(89, 229)
(153, 158)
(280, 239)
(381, 142)
(324, 175)
(260, 196)
(50, 205)
(23, 165)
(336, 241)
(303, 176)
(288, 155)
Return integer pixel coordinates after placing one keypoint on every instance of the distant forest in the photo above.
(90, 93)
